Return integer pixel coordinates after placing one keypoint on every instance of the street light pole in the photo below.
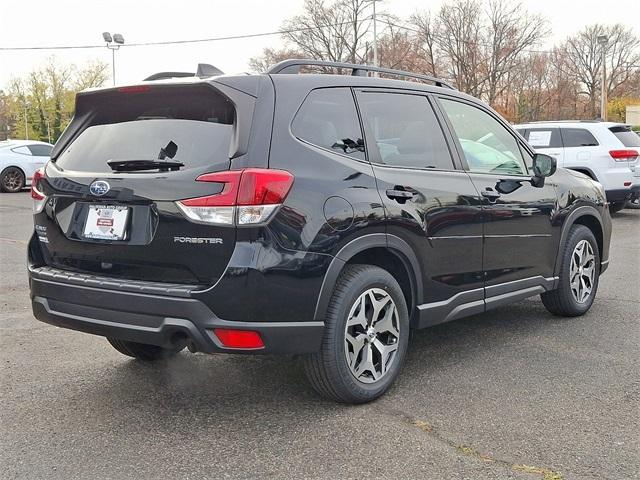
(602, 41)
(375, 36)
(113, 43)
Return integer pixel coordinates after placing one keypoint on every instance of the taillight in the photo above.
(246, 339)
(37, 195)
(623, 155)
(248, 197)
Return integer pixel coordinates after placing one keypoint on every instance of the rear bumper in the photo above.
(156, 319)
(618, 195)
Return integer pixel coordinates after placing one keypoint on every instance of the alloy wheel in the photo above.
(583, 271)
(12, 180)
(372, 335)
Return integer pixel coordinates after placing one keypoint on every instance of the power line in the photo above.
(178, 42)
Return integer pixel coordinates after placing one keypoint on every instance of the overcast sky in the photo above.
(38, 23)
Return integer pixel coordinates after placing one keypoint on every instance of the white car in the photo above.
(19, 160)
(605, 151)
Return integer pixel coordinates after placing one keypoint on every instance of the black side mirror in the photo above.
(543, 166)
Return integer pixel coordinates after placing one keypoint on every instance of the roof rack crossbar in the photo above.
(293, 67)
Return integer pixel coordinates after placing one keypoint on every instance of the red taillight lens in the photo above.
(247, 339)
(134, 89)
(36, 194)
(248, 197)
(623, 155)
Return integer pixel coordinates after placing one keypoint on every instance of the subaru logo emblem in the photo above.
(99, 188)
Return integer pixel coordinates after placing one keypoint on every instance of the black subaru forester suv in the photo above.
(317, 214)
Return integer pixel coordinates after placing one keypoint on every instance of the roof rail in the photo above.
(293, 66)
(204, 70)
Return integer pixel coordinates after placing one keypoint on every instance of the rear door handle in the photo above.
(400, 195)
(492, 195)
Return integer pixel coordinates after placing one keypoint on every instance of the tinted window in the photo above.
(23, 150)
(405, 129)
(628, 137)
(40, 150)
(328, 119)
(488, 146)
(578, 137)
(137, 126)
(544, 137)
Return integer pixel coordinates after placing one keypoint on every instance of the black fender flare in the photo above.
(394, 244)
(569, 221)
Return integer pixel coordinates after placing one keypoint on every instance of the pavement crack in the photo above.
(429, 429)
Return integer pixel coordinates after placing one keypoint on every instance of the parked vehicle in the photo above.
(315, 214)
(604, 151)
(19, 159)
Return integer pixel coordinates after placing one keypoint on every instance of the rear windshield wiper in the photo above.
(138, 165)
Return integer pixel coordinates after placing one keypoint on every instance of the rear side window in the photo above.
(405, 129)
(40, 150)
(328, 119)
(23, 150)
(628, 137)
(578, 137)
(544, 137)
(136, 126)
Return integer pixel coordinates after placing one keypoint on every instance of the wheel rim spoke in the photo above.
(582, 271)
(372, 335)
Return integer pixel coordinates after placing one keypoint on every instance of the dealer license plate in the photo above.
(106, 222)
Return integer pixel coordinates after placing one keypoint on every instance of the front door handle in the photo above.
(399, 195)
(492, 195)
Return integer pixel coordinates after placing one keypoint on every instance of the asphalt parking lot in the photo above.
(514, 393)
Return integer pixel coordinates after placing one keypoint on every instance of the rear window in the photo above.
(628, 137)
(578, 137)
(198, 120)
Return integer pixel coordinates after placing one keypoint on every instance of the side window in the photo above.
(488, 146)
(578, 137)
(40, 150)
(405, 129)
(23, 150)
(328, 119)
(544, 137)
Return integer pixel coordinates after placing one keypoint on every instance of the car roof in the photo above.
(569, 123)
(20, 143)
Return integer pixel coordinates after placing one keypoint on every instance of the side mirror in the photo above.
(543, 166)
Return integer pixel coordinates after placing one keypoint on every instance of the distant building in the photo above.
(633, 115)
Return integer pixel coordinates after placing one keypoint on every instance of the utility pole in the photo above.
(602, 41)
(26, 122)
(375, 36)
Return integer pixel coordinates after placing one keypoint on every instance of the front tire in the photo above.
(142, 351)
(365, 339)
(579, 275)
(11, 180)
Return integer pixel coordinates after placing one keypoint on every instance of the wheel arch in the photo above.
(589, 217)
(586, 171)
(386, 251)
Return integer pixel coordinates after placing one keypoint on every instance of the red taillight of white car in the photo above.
(39, 198)
(248, 197)
(624, 155)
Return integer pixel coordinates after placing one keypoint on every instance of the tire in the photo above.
(615, 207)
(564, 300)
(141, 351)
(332, 371)
(12, 180)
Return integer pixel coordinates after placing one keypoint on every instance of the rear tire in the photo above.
(365, 339)
(11, 180)
(142, 351)
(579, 275)
(615, 207)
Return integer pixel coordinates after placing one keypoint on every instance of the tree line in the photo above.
(487, 48)
(40, 105)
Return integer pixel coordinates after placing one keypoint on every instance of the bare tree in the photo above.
(271, 56)
(585, 60)
(426, 27)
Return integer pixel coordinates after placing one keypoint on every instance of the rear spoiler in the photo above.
(204, 70)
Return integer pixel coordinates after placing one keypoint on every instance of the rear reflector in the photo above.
(247, 339)
(623, 155)
(248, 197)
(627, 184)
